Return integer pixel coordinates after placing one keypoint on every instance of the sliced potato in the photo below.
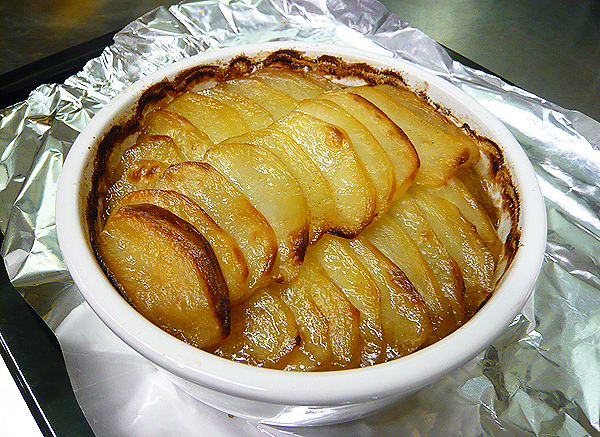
(439, 153)
(295, 84)
(255, 116)
(152, 148)
(343, 318)
(388, 236)
(168, 272)
(271, 189)
(142, 165)
(212, 116)
(263, 332)
(314, 350)
(464, 244)
(231, 210)
(139, 176)
(276, 102)
(444, 267)
(332, 153)
(404, 317)
(456, 192)
(321, 80)
(190, 140)
(481, 189)
(315, 188)
(228, 253)
(394, 141)
(341, 265)
(428, 113)
(377, 163)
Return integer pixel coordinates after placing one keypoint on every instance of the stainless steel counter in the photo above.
(548, 47)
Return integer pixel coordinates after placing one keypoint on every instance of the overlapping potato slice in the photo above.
(168, 272)
(404, 317)
(142, 165)
(457, 193)
(212, 116)
(440, 154)
(393, 139)
(160, 148)
(377, 163)
(346, 271)
(342, 317)
(444, 267)
(255, 116)
(337, 161)
(263, 332)
(463, 243)
(276, 102)
(388, 236)
(481, 189)
(271, 189)
(231, 210)
(317, 191)
(295, 84)
(314, 350)
(231, 259)
(427, 112)
(191, 141)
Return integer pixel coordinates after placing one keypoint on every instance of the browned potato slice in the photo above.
(464, 244)
(388, 236)
(394, 141)
(375, 160)
(276, 102)
(456, 192)
(190, 140)
(482, 190)
(213, 117)
(314, 351)
(440, 154)
(168, 272)
(230, 257)
(139, 176)
(428, 113)
(444, 267)
(153, 147)
(331, 152)
(295, 84)
(300, 360)
(271, 189)
(263, 332)
(340, 264)
(317, 192)
(343, 318)
(231, 210)
(322, 81)
(142, 165)
(255, 116)
(404, 318)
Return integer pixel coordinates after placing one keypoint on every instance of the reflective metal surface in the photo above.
(541, 377)
(550, 48)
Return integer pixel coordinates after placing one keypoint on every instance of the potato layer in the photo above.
(285, 220)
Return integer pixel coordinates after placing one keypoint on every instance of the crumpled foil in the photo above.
(541, 378)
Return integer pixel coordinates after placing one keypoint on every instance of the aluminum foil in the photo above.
(541, 378)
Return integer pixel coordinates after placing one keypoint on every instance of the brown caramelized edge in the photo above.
(295, 60)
